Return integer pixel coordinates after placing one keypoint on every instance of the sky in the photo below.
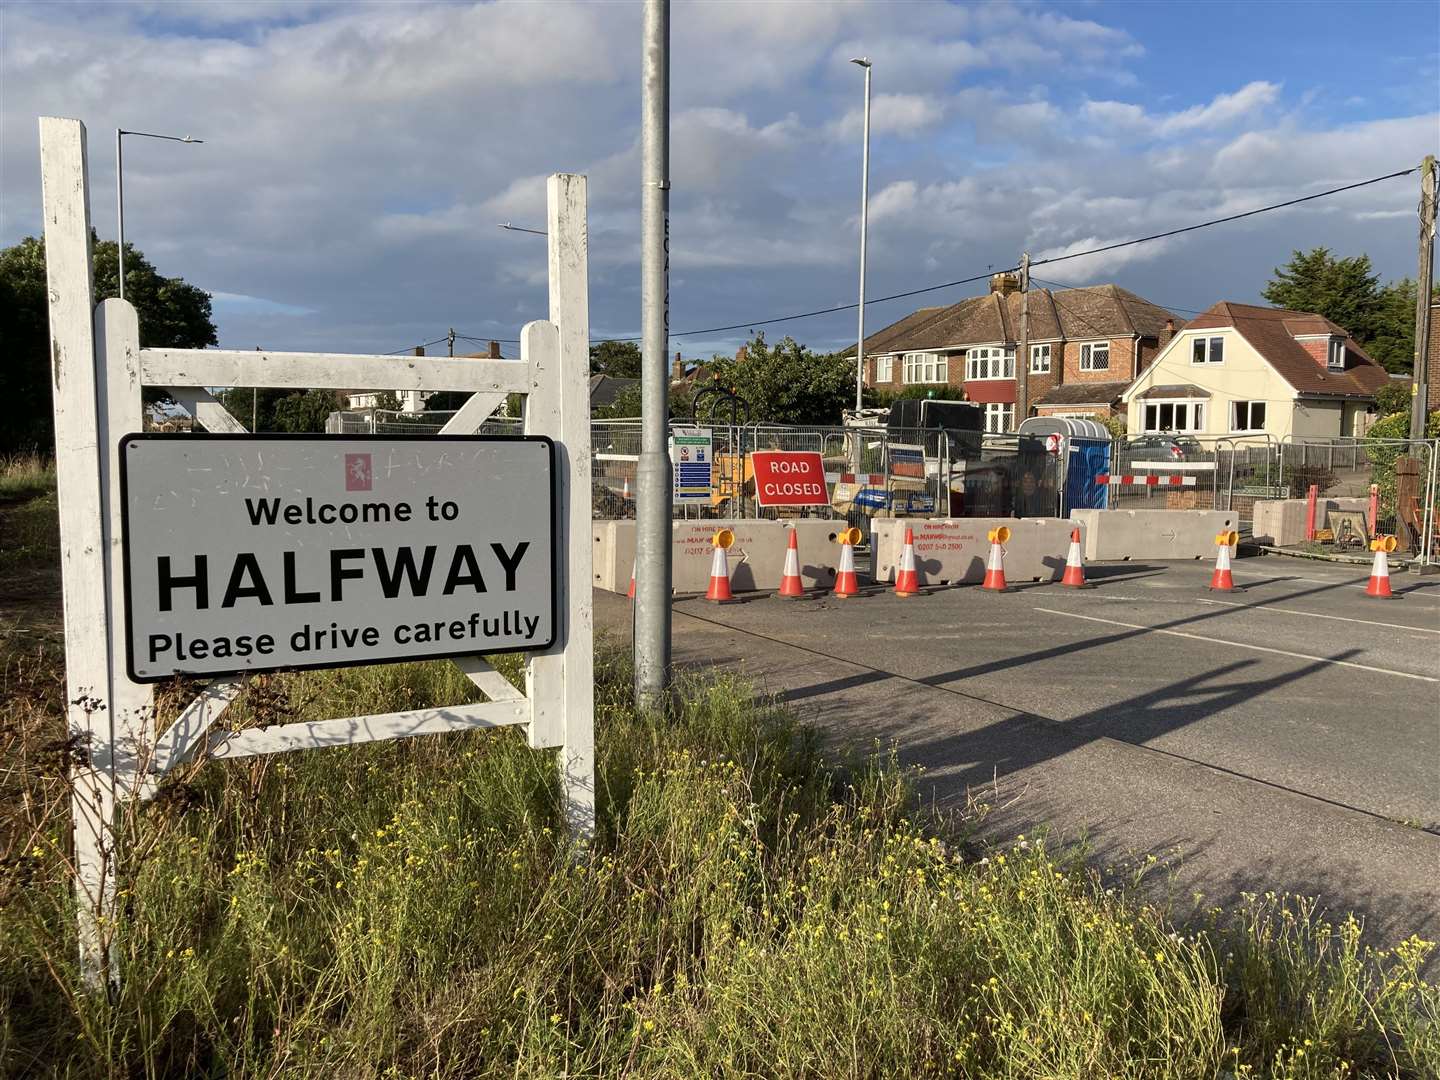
(358, 158)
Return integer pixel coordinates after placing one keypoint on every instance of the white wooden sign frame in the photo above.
(99, 372)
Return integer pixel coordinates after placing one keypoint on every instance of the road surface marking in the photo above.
(1317, 615)
(1242, 645)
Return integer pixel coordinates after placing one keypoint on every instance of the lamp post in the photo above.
(120, 134)
(863, 62)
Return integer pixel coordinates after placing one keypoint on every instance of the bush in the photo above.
(747, 909)
(1384, 445)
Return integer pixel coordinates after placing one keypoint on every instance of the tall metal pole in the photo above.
(1419, 381)
(120, 207)
(653, 472)
(864, 62)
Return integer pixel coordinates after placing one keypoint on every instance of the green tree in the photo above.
(786, 383)
(618, 358)
(304, 413)
(1392, 398)
(1345, 291)
(172, 314)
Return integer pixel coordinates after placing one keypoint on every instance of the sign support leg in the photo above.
(83, 560)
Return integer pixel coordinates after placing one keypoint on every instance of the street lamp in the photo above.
(863, 62)
(120, 133)
(521, 228)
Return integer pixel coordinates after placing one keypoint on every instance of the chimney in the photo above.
(1004, 283)
(419, 350)
(1169, 333)
(740, 355)
(494, 350)
(677, 371)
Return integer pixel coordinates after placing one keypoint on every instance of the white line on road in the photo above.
(1242, 645)
(1317, 615)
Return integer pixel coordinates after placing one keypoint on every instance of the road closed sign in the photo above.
(258, 553)
(789, 478)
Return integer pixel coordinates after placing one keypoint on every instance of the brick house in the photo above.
(1086, 346)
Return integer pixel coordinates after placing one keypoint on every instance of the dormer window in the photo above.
(1208, 351)
(1336, 359)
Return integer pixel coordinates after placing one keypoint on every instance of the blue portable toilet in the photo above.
(1084, 452)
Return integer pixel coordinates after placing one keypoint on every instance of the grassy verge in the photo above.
(747, 909)
(23, 476)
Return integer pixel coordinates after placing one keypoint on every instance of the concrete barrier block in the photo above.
(757, 558)
(1281, 522)
(954, 550)
(1111, 535)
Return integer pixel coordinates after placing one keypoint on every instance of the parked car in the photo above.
(1173, 447)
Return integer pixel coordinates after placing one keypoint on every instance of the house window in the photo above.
(999, 417)
(1336, 360)
(990, 362)
(1161, 416)
(1039, 359)
(1095, 357)
(884, 369)
(1247, 416)
(926, 368)
(1208, 351)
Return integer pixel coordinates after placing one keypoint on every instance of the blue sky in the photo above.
(359, 157)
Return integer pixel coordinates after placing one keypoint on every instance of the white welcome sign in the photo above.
(224, 554)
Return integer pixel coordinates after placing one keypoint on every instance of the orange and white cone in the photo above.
(625, 493)
(1074, 567)
(1379, 584)
(1222, 580)
(846, 584)
(791, 587)
(907, 579)
(995, 565)
(632, 581)
(719, 590)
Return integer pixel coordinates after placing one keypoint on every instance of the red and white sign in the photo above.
(789, 478)
(1052, 443)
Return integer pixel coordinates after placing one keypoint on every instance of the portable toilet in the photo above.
(1083, 446)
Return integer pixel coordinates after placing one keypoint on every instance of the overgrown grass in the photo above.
(23, 476)
(748, 909)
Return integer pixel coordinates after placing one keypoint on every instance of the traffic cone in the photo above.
(846, 584)
(1379, 584)
(1222, 580)
(907, 580)
(719, 590)
(995, 565)
(632, 581)
(791, 588)
(625, 493)
(1074, 567)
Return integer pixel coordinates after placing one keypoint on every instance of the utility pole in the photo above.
(451, 338)
(1419, 383)
(1022, 360)
(654, 477)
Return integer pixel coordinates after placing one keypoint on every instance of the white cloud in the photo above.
(906, 115)
(1125, 119)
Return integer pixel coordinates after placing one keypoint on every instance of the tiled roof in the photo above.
(604, 389)
(1176, 390)
(1099, 311)
(1269, 331)
(1082, 393)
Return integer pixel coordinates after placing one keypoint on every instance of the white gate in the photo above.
(99, 371)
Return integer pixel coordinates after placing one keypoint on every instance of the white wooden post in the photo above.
(132, 713)
(65, 193)
(562, 684)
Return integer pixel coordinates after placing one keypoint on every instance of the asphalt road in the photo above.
(1286, 737)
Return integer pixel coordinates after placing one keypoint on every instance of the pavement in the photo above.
(1283, 738)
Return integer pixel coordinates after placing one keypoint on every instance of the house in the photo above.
(1086, 345)
(411, 401)
(1237, 370)
(604, 389)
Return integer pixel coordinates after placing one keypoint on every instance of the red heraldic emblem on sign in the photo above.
(789, 478)
(358, 474)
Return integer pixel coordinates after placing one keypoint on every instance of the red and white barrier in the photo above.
(1147, 479)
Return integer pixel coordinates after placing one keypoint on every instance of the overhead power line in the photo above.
(771, 320)
(1223, 220)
